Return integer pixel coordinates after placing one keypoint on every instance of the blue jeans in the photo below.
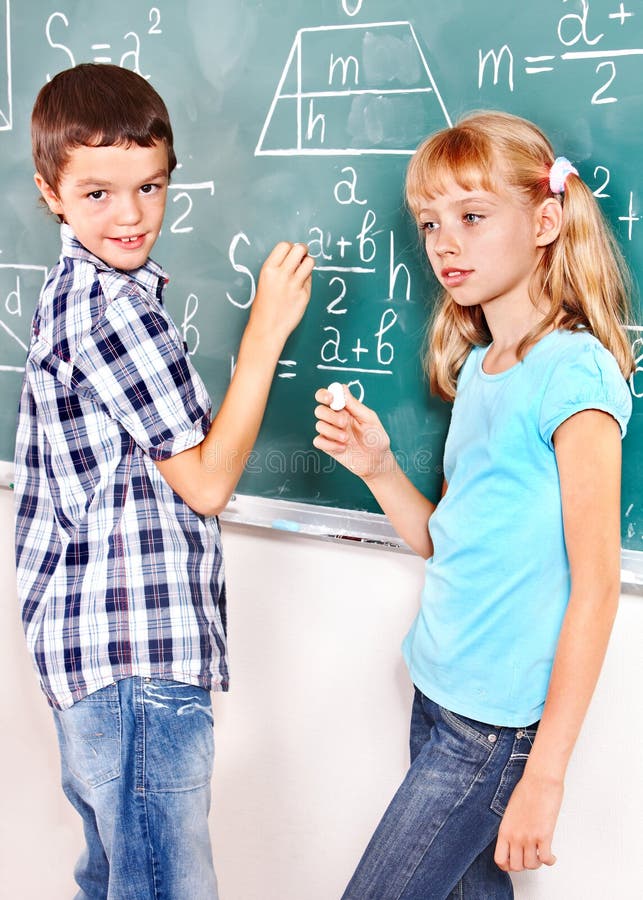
(437, 838)
(137, 764)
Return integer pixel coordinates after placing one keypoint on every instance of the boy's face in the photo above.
(113, 198)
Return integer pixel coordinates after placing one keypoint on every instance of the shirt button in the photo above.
(492, 738)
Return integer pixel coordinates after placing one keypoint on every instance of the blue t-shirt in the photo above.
(497, 585)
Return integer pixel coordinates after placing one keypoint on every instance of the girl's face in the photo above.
(483, 246)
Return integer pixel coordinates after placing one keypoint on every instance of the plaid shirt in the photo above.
(117, 576)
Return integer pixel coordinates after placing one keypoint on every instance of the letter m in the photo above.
(497, 59)
(344, 62)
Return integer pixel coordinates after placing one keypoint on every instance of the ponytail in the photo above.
(586, 275)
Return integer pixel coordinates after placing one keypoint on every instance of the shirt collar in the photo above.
(148, 275)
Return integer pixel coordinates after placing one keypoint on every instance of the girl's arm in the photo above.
(206, 475)
(588, 453)
(356, 438)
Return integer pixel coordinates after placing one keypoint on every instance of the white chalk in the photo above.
(339, 400)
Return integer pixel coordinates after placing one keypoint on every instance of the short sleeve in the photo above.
(133, 363)
(469, 366)
(586, 377)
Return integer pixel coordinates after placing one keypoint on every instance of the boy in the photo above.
(120, 474)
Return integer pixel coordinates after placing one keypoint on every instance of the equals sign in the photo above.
(102, 59)
(534, 70)
(289, 363)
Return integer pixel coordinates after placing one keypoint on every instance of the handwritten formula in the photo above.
(297, 121)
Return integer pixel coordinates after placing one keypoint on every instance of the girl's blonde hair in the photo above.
(582, 273)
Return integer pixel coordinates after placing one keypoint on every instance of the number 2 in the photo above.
(598, 95)
(332, 306)
(599, 190)
(182, 195)
(155, 18)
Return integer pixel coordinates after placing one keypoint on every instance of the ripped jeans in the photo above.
(137, 764)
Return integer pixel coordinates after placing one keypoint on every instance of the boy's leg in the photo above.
(179, 752)
(89, 736)
(137, 763)
(446, 813)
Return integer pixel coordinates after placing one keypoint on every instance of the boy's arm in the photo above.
(206, 475)
(588, 453)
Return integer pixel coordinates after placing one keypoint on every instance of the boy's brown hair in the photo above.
(95, 105)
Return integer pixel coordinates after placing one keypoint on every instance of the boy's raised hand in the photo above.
(283, 291)
(206, 475)
(354, 436)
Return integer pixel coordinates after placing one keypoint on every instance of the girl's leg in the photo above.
(482, 874)
(446, 813)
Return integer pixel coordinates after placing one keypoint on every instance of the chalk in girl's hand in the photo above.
(339, 400)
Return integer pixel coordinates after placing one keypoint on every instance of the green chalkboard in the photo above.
(296, 120)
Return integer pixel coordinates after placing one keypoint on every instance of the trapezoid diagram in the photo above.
(353, 89)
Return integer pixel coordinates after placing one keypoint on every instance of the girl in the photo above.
(523, 548)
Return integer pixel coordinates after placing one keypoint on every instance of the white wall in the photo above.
(311, 741)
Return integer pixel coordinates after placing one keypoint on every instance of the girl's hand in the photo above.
(527, 827)
(354, 436)
(283, 292)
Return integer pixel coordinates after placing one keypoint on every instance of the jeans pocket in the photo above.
(89, 734)
(179, 737)
(512, 773)
(470, 728)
